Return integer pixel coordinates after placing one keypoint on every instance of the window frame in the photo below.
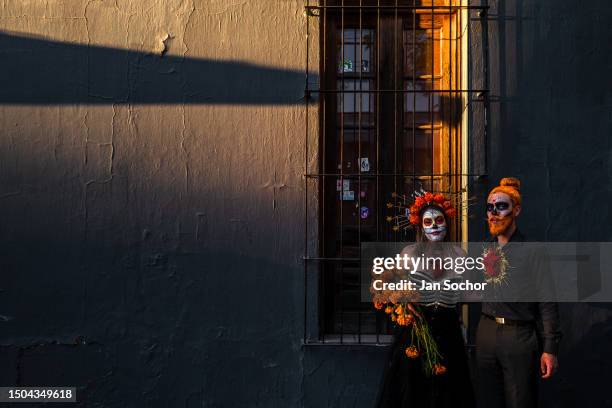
(327, 128)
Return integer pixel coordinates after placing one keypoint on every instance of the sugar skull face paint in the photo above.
(499, 213)
(434, 224)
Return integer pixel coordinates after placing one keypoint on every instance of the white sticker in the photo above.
(364, 164)
(343, 185)
(348, 195)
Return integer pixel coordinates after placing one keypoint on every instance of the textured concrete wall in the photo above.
(151, 223)
(151, 200)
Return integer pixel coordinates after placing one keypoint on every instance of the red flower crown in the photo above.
(429, 199)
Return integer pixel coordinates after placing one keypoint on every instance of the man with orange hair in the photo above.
(514, 339)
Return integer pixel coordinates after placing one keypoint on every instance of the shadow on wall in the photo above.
(121, 284)
(154, 335)
(584, 360)
(550, 125)
(39, 71)
(550, 120)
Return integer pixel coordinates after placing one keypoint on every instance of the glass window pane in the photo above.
(421, 53)
(421, 101)
(425, 155)
(350, 58)
(349, 101)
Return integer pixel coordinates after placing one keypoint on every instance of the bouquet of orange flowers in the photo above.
(422, 343)
(402, 308)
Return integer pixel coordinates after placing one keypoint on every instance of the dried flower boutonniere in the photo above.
(495, 265)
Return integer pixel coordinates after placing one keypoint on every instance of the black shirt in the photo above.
(544, 314)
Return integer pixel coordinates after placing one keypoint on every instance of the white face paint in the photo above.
(499, 204)
(434, 224)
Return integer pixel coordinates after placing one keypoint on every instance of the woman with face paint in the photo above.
(405, 384)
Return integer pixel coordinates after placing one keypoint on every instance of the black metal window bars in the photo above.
(393, 99)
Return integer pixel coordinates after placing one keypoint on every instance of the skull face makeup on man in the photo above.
(500, 213)
(503, 206)
(433, 223)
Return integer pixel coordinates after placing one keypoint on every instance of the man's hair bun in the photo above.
(511, 182)
(510, 186)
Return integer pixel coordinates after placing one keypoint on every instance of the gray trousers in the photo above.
(508, 362)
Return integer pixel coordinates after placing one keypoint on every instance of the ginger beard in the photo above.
(500, 213)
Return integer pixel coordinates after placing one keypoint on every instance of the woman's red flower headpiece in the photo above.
(429, 199)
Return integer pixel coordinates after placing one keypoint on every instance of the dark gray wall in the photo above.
(174, 276)
(151, 222)
(551, 126)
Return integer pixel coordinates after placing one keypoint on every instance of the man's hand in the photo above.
(548, 364)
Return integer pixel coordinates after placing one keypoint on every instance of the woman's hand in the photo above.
(413, 310)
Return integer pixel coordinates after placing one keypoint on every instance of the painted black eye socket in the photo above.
(499, 206)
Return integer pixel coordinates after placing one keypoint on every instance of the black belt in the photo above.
(510, 322)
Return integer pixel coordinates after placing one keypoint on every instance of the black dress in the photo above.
(405, 384)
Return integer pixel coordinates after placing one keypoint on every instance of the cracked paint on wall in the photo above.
(123, 223)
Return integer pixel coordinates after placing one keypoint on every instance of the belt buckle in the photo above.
(500, 320)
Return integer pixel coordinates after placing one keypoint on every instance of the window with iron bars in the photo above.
(392, 104)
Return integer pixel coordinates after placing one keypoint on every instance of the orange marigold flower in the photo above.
(404, 320)
(378, 305)
(439, 198)
(399, 310)
(412, 352)
(450, 212)
(439, 369)
(389, 309)
(428, 197)
(393, 318)
(409, 319)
